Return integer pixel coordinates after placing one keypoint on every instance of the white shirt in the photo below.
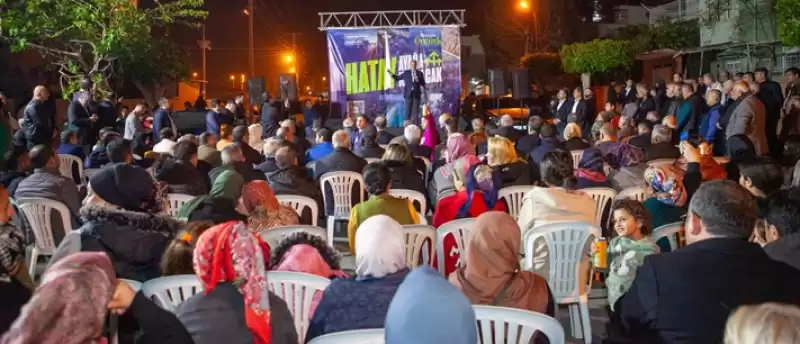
(575, 105)
(560, 102)
(166, 146)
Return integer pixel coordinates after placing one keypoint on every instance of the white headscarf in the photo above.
(380, 247)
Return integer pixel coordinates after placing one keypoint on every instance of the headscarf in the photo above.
(229, 184)
(591, 166)
(430, 136)
(461, 168)
(492, 263)
(667, 184)
(623, 155)
(380, 247)
(481, 177)
(306, 253)
(458, 146)
(426, 309)
(263, 209)
(230, 253)
(70, 304)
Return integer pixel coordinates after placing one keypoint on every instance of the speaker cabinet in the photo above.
(288, 86)
(255, 90)
(521, 88)
(497, 82)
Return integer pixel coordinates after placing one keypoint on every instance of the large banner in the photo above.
(359, 59)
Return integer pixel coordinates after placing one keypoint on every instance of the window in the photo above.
(733, 67)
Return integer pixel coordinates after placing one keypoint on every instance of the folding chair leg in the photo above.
(586, 324)
(34, 259)
(575, 321)
(331, 225)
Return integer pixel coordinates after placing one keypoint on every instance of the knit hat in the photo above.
(126, 186)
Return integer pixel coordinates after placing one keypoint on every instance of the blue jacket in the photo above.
(545, 145)
(708, 128)
(319, 151)
(309, 116)
(212, 123)
(160, 121)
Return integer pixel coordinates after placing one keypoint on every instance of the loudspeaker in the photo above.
(521, 88)
(255, 90)
(288, 86)
(497, 82)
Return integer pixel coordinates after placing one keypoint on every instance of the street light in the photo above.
(233, 79)
(194, 75)
(289, 58)
(530, 38)
(291, 70)
(324, 78)
(524, 5)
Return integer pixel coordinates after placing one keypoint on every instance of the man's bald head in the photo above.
(41, 93)
(740, 89)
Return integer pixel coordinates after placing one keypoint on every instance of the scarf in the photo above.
(492, 263)
(667, 185)
(308, 260)
(263, 209)
(230, 253)
(481, 177)
(380, 247)
(623, 155)
(229, 185)
(458, 146)
(70, 305)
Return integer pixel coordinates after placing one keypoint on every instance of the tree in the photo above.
(84, 39)
(788, 12)
(663, 35)
(153, 64)
(599, 55)
(541, 66)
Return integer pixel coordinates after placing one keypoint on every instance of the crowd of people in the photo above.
(733, 281)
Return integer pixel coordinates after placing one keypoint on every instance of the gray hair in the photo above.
(661, 134)
(188, 138)
(506, 121)
(380, 122)
(412, 133)
(477, 123)
(725, 208)
(271, 146)
(231, 153)
(341, 139)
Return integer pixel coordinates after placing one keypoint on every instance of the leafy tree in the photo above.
(84, 38)
(541, 66)
(788, 13)
(153, 64)
(599, 55)
(663, 35)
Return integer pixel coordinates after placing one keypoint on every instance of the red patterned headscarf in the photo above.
(264, 211)
(228, 252)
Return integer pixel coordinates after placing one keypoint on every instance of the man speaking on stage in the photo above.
(414, 82)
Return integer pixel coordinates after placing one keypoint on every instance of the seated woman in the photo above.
(458, 146)
(400, 162)
(220, 204)
(502, 157)
(380, 268)
(122, 218)
(666, 198)
(181, 173)
(236, 306)
(627, 165)
(491, 274)
(72, 302)
(572, 138)
(262, 208)
(591, 171)
(226, 137)
(476, 192)
(378, 180)
(306, 253)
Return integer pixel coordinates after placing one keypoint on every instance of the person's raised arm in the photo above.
(693, 176)
(157, 324)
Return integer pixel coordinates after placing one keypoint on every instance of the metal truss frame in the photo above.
(389, 19)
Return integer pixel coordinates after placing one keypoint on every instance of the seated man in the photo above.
(342, 159)
(119, 151)
(181, 173)
(644, 138)
(17, 167)
(271, 146)
(241, 137)
(687, 295)
(290, 179)
(323, 146)
(384, 137)
(167, 143)
(661, 146)
(761, 176)
(207, 151)
(548, 143)
(782, 227)
(99, 155)
(69, 146)
(233, 159)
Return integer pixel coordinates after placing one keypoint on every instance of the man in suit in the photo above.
(80, 121)
(561, 110)
(271, 116)
(383, 136)
(212, 119)
(581, 110)
(771, 95)
(687, 295)
(341, 160)
(528, 143)
(748, 118)
(40, 119)
(507, 129)
(628, 94)
(414, 83)
(162, 118)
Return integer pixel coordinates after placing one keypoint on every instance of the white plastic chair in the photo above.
(371, 336)
(169, 292)
(416, 237)
(135, 285)
(341, 184)
(38, 213)
(670, 231)
(175, 201)
(576, 157)
(371, 160)
(513, 196)
(297, 289)
(310, 165)
(602, 198)
(661, 162)
(461, 229)
(522, 325)
(414, 196)
(566, 244)
(300, 203)
(635, 193)
(65, 166)
(273, 236)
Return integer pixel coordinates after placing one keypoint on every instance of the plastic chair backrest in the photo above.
(371, 160)
(273, 236)
(170, 291)
(66, 161)
(416, 237)
(342, 186)
(371, 336)
(661, 162)
(414, 196)
(577, 155)
(461, 229)
(297, 290)
(513, 196)
(135, 285)
(518, 325)
(566, 243)
(38, 213)
(427, 162)
(602, 198)
(300, 203)
(670, 231)
(635, 193)
(88, 173)
(175, 201)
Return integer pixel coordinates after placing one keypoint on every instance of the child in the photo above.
(627, 250)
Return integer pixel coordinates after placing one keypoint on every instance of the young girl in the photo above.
(626, 251)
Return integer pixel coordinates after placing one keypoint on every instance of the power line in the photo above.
(278, 33)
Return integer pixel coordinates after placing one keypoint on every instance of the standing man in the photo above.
(212, 121)
(39, 123)
(270, 116)
(562, 110)
(80, 121)
(162, 118)
(748, 118)
(582, 117)
(414, 83)
(771, 95)
(240, 116)
(133, 123)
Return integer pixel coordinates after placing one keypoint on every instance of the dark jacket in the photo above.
(50, 184)
(39, 123)
(97, 158)
(515, 173)
(526, 144)
(384, 137)
(419, 150)
(510, 133)
(645, 105)
(78, 120)
(212, 123)
(687, 295)
(182, 177)
(546, 145)
(661, 151)
(412, 89)
(11, 179)
(155, 324)
(219, 317)
(270, 119)
(641, 140)
(161, 119)
(340, 160)
(296, 181)
(575, 143)
(251, 156)
(268, 166)
(370, 152)
(785, 249)
(353, 304)
(245, 169)
(405, 176)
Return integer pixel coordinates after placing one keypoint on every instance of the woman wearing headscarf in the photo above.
(476, 192)
(458, 146)
(627, 165)
(262, 208)
(236, 305)
(667, 197)
(591, 171)
(220, 204)
(361, 302)
(491, 274)
(71, 303)
(121, 216)
(427, 309)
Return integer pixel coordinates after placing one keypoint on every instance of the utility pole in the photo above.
(296, 57)
(251, 49)
(204, 45)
